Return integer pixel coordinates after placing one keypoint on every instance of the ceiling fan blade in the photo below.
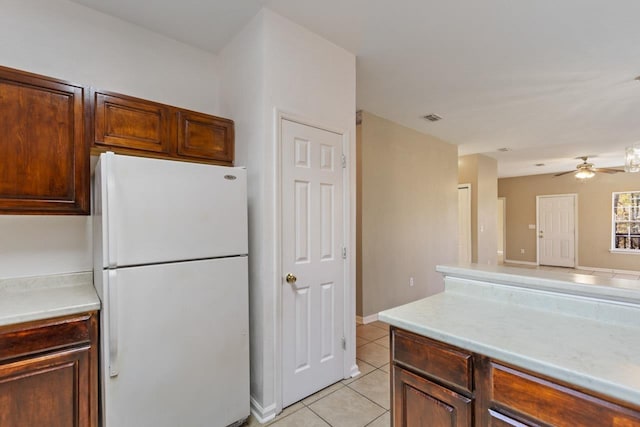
(563, 173)
(607, 170)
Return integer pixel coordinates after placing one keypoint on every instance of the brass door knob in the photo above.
(291, 278)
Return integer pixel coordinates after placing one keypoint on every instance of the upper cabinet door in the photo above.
(205, 137)
(138, 127)
(131, 123)
(44, 154)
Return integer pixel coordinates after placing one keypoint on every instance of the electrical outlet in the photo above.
(411, 281)
(522, 251)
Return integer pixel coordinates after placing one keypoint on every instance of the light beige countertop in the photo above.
(587, 334)
(34, 298)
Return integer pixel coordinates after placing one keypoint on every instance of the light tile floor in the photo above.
(357, 402)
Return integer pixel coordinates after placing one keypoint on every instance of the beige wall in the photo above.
(594, 216)
(409, 213)
(482, 173)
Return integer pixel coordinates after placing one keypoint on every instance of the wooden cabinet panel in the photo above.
(126, 122)
(419, 402)
(444, 362)
(46, 391)
(49, 372)
(35, 337)
(138, 127)
(520, 393)
(435, 384)
(43, 146)
(205, 137)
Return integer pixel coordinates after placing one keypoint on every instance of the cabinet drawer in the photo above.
(36, 337)
(534, 398)
(440, 361)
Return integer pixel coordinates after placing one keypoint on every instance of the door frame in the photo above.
(348, 179)
(575, 225)
(504, 228)
(469, 227)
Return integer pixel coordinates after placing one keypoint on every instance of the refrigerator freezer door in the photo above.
(155, 211)
(183, 346)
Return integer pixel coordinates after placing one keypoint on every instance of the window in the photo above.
(626, 222)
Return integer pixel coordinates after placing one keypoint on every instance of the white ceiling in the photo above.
(549, 79)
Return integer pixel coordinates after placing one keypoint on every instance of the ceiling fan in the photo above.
(586, 170)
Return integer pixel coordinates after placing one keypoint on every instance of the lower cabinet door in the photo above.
(50, 390)
(418, 402)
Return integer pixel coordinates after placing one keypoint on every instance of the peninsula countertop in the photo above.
(34, 298)
(581, 332)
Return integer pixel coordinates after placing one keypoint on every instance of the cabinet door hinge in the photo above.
(344, 161)
(344, 253)
(344, 343)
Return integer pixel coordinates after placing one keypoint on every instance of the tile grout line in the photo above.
(388, 411)
(318, 415)
(377, 369)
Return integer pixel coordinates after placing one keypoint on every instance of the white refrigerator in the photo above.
(170, 267)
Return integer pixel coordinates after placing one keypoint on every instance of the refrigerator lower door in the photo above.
(179, 333)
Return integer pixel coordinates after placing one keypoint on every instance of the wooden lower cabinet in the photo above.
(435, 384)
(49, 373)
(420, 402)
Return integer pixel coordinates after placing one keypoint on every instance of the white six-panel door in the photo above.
(312, 245)
(556, 230)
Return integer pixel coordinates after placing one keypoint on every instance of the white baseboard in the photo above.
(354, 371)
(609, 270)
(367, 319)
(262, 415)
(511, 261)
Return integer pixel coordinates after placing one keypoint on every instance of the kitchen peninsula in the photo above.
(505, 346)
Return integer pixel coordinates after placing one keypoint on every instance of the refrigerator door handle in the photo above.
(112, 315)
(111, 206)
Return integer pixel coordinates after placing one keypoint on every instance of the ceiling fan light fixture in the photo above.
(584, 174)
(632, 158)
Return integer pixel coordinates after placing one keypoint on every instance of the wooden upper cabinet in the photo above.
(126, 122)
(44, 155)
(205, 137)
(139, 127)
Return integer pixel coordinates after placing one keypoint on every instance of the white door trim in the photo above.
(350, 369)
(575, 224)
(504, 228)
(470, 247)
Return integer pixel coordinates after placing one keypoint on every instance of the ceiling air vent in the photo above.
(432, 117)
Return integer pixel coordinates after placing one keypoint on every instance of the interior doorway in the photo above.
(557, 230)
(501, 228)
(313, 260)
(464, 223)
